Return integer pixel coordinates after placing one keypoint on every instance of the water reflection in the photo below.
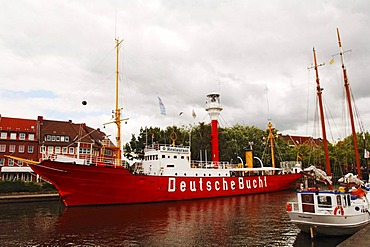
(235, 221)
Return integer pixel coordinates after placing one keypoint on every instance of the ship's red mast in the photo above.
(348, 95)
(322, 118)
(214, 108)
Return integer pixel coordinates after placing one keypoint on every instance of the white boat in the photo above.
(332, 212)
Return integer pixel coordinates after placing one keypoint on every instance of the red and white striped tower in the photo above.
(214, 109)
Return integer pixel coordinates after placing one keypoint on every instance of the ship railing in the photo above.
(292, 206)
(212, 165)
(84, 159)
(164, 147)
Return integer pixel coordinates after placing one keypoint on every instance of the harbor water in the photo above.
(252, 220)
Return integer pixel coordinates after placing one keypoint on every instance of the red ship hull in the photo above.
(93, 185)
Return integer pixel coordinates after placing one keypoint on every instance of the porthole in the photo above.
(176, 174)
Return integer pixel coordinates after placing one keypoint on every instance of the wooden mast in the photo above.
(118, 110)
(271, 138)
(322, 118)
(348, 95)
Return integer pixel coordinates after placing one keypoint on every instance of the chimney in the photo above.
(40, 119)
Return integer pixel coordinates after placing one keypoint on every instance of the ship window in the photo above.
(339, 200)
(204, 174)
(182, 157)
(31, 137)
(175, 156)
(163, 156)
(210, 174)
(2, 161)
(171, 166)
(184, 174)
(349, 200)
(176, 174)
(13, 136)
(196, 174)
(324, 201)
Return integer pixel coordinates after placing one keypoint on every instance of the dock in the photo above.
(360, 238)
(28, 198)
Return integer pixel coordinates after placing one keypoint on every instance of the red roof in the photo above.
(298, 140)
(17, 124)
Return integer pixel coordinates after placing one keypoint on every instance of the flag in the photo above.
(162, 107)
(331, 61)
(299, 156)
(193, 114)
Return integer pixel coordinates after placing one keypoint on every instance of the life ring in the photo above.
(339, 210)
(288, 207)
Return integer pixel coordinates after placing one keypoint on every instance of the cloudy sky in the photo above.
(56, 54)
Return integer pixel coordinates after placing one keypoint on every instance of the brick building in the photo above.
(18, 137)
(39, 139)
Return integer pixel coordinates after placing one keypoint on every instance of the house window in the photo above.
(53, 138)
(20, 163)
(30, 149)
(22, 136)
(50, 149)
(57, 138)
(57, 150)
(42, 149)
(12, 148)
(2, 161)
(10, 162)
(48, 138)
(67, 138)
(71, 150)
(13, 136)
(3, 135)
(64, 150)
(31, 137)
(62, 138)
(2, 148)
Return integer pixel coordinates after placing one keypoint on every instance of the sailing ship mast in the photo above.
(348, 95)
(319, 96)
(118, 110)
(271, 138)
